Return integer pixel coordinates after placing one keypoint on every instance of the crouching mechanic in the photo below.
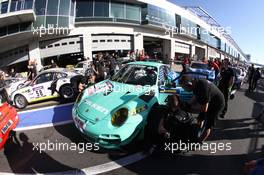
(210, 98)
(80, 82)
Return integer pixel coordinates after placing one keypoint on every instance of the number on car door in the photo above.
(42, 84)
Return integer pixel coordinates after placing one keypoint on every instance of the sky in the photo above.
(245, 17)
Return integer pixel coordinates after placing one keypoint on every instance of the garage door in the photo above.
(60, 46)
(111, 42)
(182, 48)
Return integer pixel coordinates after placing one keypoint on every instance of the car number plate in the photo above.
(7, 126)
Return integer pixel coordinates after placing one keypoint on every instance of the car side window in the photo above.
(60, 75)
(43, 78)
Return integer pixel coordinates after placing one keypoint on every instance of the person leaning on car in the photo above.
(226, 83)
(210, 98)
(78, 83)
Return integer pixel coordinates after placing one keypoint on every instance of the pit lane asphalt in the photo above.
(239, 128)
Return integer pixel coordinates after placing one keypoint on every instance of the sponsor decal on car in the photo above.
(97, 107)
(107, 86)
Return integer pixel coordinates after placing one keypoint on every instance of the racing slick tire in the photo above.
(67, 92)
(20, 101)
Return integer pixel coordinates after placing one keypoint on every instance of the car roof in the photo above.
(147, 63)
(55, 70)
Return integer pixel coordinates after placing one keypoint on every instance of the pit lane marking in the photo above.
(98, 169)
(43, 126)
(48, 107)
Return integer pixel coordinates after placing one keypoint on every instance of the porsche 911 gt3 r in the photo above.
(115, 112)
(40, 88)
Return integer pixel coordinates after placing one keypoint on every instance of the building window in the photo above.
(64, 7)
(40, 7)
(116, 40)
(53, 6)
(51, 21)
(101, 8)
(133, 12)
(63, 22)
(95, 41)
(71, 43)
(50, 46)
(25, 26)
(84, 8)
(159, 15)
(109, 40)
(13, 5)
(3, 31)
(102, 41)
(28, 4)
(13, 29)
(4, 7)
(64, 44)
(57, 45)
(117, 10)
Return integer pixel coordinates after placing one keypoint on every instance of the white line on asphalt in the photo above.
(43, 126)
(98, 169)
(48, 107)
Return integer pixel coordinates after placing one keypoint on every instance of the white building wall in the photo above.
(34, 53)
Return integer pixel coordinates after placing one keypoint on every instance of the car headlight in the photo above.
(78, 99)
(119, 117)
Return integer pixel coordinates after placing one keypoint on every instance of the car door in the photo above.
(41, 84)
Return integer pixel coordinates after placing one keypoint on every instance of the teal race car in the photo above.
(115, 112)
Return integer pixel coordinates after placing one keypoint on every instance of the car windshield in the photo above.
(136, 75)
(199, 66)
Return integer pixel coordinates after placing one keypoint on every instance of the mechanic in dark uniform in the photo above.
(226, 83)
(80, 82)
(210, 98)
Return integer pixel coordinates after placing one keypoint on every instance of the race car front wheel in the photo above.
(20, 101)
(67, 92)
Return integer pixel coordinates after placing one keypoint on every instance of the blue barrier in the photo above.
(43, 116)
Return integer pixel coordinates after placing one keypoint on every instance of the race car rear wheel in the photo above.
(67, 92)
(20, 101)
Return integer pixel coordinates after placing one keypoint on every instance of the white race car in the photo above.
(40, 88)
